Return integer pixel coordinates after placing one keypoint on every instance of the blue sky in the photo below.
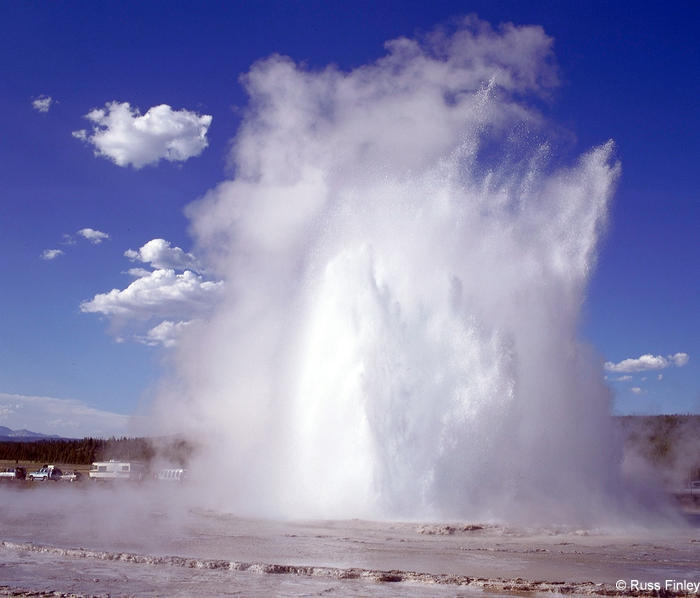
(626, 74)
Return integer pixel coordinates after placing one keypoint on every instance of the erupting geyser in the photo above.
(405, 259)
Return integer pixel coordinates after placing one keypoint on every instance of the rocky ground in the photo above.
(65, 541)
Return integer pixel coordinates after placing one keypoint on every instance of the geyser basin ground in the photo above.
(96, 541)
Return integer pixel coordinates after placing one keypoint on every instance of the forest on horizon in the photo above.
(669, 443)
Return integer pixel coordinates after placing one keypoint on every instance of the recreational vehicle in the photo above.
(117, 470)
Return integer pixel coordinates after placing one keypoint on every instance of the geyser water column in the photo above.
(405, 256)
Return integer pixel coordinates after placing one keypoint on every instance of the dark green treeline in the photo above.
(87, 450)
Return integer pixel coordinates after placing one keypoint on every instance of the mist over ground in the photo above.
(405, 248)
(146, 539)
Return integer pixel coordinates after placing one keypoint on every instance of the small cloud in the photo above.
(67, 239)
(94, 236)
(636, 390)
(42, 103)
(660, 377)
(160, 254)
(679, 359)
(640, 364)
(127, 137)
(647, 362)
(51, 254)
(166, 333)
(161, 293)
(623, 378)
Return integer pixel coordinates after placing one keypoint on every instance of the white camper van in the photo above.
(117, 470)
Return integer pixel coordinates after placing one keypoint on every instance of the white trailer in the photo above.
(117, 470)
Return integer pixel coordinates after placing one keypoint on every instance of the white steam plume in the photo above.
(404, 273)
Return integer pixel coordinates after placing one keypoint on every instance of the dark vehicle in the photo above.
(13, 473)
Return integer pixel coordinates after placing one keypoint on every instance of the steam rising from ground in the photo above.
(405, 262)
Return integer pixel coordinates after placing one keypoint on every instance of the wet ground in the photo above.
(151, 542)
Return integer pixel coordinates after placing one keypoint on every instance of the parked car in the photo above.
(47, 472)
(13, 473)
(71, 476)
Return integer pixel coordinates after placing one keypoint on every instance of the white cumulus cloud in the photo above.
(162, 293)
(138, 272)
(679, 359)
(636, 390)
(163, 300)
(160, 254)
(94, 236)
(127, 137)
(647, 362)
(166, 333)
(42, 103)
(51, 254)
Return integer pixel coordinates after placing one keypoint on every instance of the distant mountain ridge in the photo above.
(21, 435)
